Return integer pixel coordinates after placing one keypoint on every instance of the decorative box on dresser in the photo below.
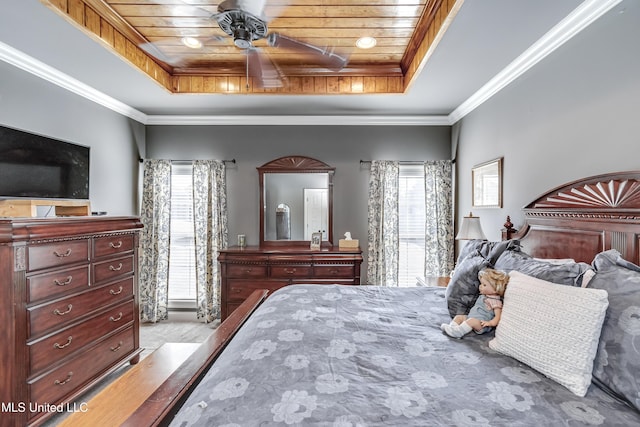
(244, 270)
(69, 313)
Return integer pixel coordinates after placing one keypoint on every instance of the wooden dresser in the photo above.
(69, 310)
(244, 270)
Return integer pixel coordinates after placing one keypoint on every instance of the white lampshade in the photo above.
(470, 229)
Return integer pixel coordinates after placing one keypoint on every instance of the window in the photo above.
(411, 212)
(182, 270)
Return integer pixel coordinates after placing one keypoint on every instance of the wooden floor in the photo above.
(113, 405)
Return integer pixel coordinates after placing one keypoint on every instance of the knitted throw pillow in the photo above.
(552, 328)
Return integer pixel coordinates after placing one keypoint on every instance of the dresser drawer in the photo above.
(330, 271)
(239, 290)
(65, 379)
(58, 253)
(105, 246)
(58, 313)
(106, 270)
(58, 283)
(246, 270)
(49, 351)
(291, 271)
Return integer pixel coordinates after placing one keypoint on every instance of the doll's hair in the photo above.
(497, 278)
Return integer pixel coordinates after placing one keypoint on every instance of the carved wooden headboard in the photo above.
(580, 219)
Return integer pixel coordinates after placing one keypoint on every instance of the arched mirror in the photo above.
(296, 200)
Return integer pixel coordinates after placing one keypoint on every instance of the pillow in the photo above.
(558, 261)
(617, 363)
(587, 276)
(462, 290)
(567, 273)
(472, 247)
(489, 250)
(553, 329)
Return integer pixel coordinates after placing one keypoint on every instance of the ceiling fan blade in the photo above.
(324, 56)
(273, 9)
(262, 9)
(254, 7)
(196, 10)
(264, 72)
(153, 50)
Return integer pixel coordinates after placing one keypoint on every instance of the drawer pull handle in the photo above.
(63, 254)
(116, 348)
(56, 345)
(334, 271)
(114, 319)
(62, 313)
(58, 382)
(248, 270)
(116, 245)
(118, 268)
(65, 283)
(289, 270)
(118, 292)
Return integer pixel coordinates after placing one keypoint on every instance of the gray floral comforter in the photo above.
(318, 355)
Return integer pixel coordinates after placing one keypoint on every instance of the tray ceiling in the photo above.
(481, 47)
(150, 35)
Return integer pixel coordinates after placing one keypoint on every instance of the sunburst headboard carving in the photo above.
(616, 195)
(579, 219)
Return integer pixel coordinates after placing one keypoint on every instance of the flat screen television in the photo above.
(37, 167)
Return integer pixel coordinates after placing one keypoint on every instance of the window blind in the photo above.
(411, 212)
(182, 269)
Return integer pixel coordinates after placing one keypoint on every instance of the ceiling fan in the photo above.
(244, 20)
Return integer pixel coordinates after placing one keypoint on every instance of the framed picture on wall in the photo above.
(486, 184)
(316, 240)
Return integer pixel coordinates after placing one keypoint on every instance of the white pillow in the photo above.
(552, 328)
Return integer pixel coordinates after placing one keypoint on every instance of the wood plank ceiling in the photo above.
(405, 30)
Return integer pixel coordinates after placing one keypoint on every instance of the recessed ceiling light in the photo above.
(191, 42)
(366, 42)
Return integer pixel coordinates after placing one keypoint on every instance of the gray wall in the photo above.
(339, 146)
(573, 115)
(34, 105)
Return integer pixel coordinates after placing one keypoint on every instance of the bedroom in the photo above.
(571, 116)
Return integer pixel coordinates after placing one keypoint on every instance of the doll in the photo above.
(485, 313)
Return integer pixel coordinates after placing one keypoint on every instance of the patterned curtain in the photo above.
(383, 223)
(210, 222)
(439, 243)
(154, 241)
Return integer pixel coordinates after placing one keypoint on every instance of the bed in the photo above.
(564, 353)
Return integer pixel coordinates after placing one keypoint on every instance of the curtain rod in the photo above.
(402, 162)
(188, 161)
(407, 162)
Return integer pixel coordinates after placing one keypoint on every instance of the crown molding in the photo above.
(579, 19)
(299, 120)
(31, 65)
(572, 24)
(38, 68)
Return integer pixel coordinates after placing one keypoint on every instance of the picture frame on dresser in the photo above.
(486, 184)
(316, 241)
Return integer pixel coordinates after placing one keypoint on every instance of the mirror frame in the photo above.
(295, 164)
